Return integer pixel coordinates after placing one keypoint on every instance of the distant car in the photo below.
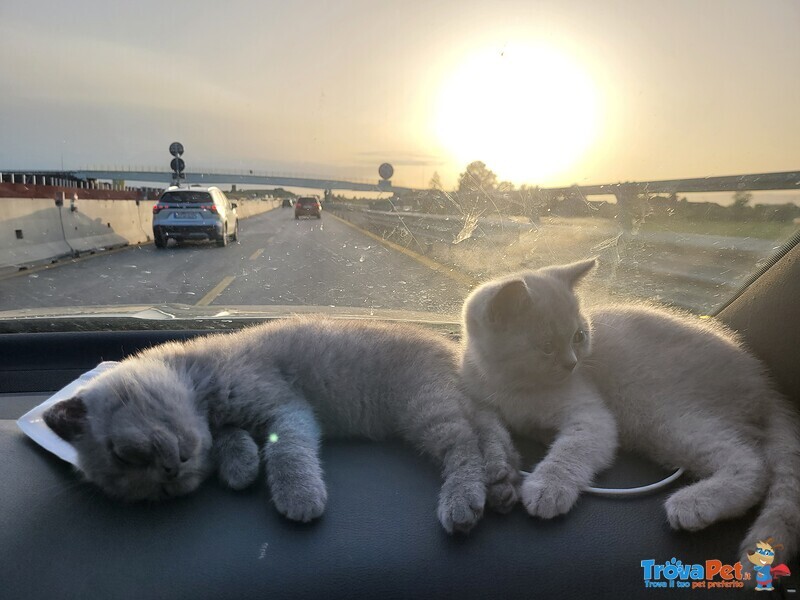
(287, 203)
(194, 213)
(307, 206)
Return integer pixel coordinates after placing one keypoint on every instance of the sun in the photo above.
(529, 112)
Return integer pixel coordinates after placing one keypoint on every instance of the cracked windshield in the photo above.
(211, 159)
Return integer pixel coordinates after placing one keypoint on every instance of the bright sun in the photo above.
(528, 112)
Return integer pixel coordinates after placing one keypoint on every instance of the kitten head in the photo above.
(136, 431)
(528, 328)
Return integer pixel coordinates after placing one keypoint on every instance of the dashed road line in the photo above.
(256, 254)
(216, 291)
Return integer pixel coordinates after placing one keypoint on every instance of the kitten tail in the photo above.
(780, 513)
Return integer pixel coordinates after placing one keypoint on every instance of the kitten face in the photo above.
(137, 433)
(529, 328)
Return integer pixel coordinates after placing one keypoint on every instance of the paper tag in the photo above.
(32, 423)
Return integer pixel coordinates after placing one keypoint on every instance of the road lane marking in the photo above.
(256, 254)
(218, 289)
(450, 272)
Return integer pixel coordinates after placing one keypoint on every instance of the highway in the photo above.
(279, 261)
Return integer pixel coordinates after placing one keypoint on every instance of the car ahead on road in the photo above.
(287, 203)
(307, 206)
(194, 213)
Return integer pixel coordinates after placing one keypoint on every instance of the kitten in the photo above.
(161, 422)
(680, 390)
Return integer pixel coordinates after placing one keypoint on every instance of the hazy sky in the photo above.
(665, 89)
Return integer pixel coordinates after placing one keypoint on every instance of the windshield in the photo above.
(178, 197)
(448, 143)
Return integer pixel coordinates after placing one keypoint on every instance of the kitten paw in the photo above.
(238, 465)
(461, 505)
(686, 509)
(502, 489)
(548, 497)
(301, 501)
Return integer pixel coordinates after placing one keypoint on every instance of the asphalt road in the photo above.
(278, 261)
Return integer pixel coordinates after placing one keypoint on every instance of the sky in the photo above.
(545, 92)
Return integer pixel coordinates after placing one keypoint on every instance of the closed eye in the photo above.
(130, 457)
(547, 348)
(120, 459)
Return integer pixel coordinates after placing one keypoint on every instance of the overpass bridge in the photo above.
(785, 180)
(83, 177)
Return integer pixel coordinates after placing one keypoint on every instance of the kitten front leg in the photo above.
(436, 422)
(291, 452)
(236, 456)
(501, 460)
(585, 444)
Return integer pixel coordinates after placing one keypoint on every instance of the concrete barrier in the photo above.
(35, 231)
(251, 208)
(31, 232)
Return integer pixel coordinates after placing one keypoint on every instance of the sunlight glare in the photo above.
(529, 112)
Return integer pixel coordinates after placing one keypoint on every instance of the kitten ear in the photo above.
(508, 301)
(572, 273)
(67, 418)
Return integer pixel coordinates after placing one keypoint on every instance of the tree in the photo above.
(436, 182)
(477, 178)
(741, 199)
(740, 211)
(505, 186)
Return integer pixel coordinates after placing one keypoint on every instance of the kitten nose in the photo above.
(570, 364)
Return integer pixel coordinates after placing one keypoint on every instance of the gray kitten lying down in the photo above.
(672, 387)
(160, 422)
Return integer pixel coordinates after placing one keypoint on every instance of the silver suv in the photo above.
(194, 213)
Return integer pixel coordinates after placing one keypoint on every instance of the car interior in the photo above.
(381, 161)
(379, 536)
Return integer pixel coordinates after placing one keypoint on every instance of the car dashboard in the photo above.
(379, 536)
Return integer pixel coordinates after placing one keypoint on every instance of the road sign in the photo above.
(177, 164)
(386, 171)
(176, 148)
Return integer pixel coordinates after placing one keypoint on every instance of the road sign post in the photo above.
(386, 171)
(177, 164)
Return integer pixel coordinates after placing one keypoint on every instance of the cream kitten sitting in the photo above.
(677, 389)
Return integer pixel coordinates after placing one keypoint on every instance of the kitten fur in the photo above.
(161, 422)
(680, 390)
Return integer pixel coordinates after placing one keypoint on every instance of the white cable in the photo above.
(629, 492)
